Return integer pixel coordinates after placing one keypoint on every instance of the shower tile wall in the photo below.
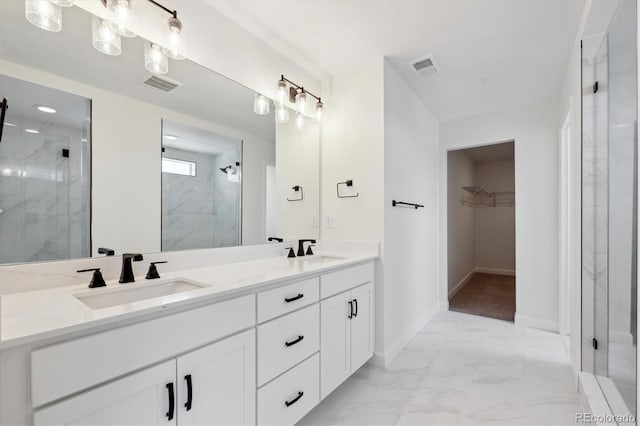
(594, 195)
(44, 202)
(200, 211)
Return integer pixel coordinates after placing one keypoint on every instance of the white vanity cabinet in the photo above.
(138, 399)
(267, 356)
(214, 385)
(346, 338)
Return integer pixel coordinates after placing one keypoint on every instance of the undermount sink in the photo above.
(321, 259)
(134, 293)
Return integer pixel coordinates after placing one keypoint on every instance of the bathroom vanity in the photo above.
(253, 342)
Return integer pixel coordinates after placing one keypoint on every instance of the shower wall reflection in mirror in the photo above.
(609, 209)
(201, 188)
(45, 167)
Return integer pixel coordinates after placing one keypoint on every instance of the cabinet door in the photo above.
(361, 326)
(335, 342)
(222, 377)
(138, 399)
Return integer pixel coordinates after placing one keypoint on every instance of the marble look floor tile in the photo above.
(461, 370)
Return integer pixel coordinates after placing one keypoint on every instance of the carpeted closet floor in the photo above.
(488, 295)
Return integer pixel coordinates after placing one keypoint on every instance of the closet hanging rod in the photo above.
(395, 203)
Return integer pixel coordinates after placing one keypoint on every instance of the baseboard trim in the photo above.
(383, 360)
(461, 283)
(495, 271)
(533, 322)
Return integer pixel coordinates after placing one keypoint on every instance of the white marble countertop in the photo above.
(35, 315)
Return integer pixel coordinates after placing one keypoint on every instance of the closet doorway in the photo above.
(481, 231)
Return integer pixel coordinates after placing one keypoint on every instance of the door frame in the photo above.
(564, 219)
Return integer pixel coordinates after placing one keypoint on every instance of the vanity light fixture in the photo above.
(282, 114)
(105, 39)
(297, 95)
(44, 14)
(260, 104)
(122, 13)
(175, 39)
(45, 109)
(155, 61)
(62, 3)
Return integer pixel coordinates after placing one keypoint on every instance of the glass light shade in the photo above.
(155, 61)
(122, 13)
(282, 94)
(299, 120)
(62, 3)
(260, 104)
(176, 40)
(319, 110)
(301, 102)
(105, 40)
(282, 114)
(44, 14)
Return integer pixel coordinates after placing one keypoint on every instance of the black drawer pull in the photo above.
(294, 400)
(355, 302)
(350, 309)
(187, 404)
(293, 342)
(293, 299)
(171, 401)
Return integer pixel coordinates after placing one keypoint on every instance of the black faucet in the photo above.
(126, 276)
(275, 239)
(301, 246)
(107, 251)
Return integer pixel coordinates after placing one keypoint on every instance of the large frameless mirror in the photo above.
(169, 161)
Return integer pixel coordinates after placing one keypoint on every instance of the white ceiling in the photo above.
(494, 54)
(69, 53)
(196, 140)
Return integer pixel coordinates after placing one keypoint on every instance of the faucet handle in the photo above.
(309, 251)
(97, 280)
(291, 252)
(152, 273)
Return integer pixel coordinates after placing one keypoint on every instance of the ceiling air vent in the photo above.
(425, 66)
(162, 83)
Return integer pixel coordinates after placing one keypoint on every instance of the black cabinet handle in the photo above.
(294, 400)
(187, 404)
(350, 309)
(293, 342)
(171, 401)
(355, 302)
(293, 299)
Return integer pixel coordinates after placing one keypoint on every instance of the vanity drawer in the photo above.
(346, 279)
(279, 301)
(69, 367)
(286, 341)
(291, 396)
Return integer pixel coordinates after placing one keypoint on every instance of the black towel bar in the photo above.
(395, 203)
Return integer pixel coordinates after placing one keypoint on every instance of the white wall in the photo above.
(352, 148)
(298, 163)
(410, 251)
(461, 232)
(126, 155)
(495, 238)
(534, 128)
